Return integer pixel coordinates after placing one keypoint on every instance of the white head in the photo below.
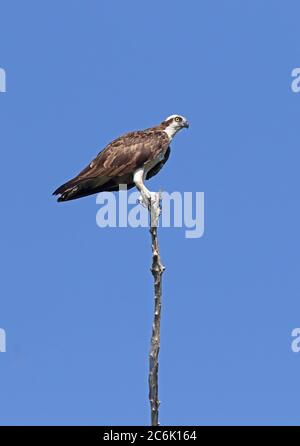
(172, 124)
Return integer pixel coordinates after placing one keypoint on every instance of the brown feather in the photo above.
(117, 163)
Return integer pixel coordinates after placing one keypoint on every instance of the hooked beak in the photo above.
(186, 124)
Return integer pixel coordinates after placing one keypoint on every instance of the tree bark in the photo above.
(157, 270)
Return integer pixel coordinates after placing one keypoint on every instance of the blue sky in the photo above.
(76, 300)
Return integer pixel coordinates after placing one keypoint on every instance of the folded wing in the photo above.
(117, 163)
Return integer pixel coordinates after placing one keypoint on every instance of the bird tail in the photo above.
(78, 188)
(66, 191)
(74, 189)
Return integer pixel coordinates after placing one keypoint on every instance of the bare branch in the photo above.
(157, 270)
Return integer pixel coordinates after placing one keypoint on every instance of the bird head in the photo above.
(173, 124)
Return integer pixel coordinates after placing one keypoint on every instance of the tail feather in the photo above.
(65, 190)
(61, 189)
(68, 194)
(77, 188)
(74, 189)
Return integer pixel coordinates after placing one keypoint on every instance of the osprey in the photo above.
(130, 159)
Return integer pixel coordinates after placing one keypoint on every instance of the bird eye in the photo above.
(177, 119)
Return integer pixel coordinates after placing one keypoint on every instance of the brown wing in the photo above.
(126, 154)
(120, 158)
(158, 166)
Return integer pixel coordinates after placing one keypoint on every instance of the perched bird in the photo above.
(130, 159)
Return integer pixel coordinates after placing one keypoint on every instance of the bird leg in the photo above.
(146, 195)
(150, 200)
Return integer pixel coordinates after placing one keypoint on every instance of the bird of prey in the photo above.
(130, 160)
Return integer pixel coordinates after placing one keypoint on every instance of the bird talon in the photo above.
(144, 201)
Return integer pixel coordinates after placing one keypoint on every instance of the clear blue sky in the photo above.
(76, 301)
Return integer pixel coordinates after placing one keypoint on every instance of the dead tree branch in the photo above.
(157, 270)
